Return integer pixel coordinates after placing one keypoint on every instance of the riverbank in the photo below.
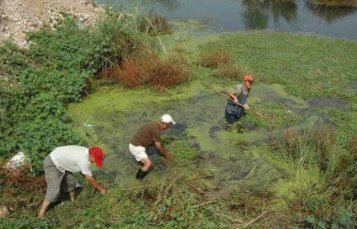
(20, 16)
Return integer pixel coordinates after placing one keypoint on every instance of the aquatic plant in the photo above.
(323, 171)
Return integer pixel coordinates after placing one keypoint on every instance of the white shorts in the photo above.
(139, 152)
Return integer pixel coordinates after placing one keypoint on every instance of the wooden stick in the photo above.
(254, 220)
(227, 97)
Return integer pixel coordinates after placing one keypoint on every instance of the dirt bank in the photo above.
(20, 16)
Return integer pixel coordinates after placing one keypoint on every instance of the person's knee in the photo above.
(147, 164)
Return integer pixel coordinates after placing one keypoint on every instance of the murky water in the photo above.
(233, 15)
(227, 153)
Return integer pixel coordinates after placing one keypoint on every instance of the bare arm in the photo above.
(234, 99)
(162, 151)
(95, 184)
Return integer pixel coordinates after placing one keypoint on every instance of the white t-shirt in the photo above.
(72, 158)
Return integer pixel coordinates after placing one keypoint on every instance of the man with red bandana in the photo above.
(59, 167)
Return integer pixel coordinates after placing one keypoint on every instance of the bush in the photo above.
(146, 68)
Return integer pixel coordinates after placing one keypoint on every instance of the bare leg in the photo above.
(72, 195)
(144, 170)
(147, 164)
(43, 208)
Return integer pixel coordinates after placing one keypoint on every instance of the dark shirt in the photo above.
(147, 135)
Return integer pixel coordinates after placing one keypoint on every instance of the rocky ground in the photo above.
(20, 16)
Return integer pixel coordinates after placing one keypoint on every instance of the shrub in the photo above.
(215, 59)
(127, 73)
(167, 73)
(146, 68)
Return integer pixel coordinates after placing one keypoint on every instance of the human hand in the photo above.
(168, 156)
(246, 106)
(103, 191)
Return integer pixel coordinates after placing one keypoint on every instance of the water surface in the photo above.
(233, 15)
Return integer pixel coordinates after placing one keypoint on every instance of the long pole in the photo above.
(227, 97)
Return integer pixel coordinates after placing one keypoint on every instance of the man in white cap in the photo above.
(147, 142)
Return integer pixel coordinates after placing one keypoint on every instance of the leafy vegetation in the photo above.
(38, 83)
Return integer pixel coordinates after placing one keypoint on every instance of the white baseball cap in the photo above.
(166, 118)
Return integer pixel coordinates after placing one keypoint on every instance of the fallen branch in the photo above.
(254, 220)
(208, 202)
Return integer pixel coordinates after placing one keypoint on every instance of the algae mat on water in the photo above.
(112, 116)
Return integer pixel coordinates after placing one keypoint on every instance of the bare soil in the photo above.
(20, 16)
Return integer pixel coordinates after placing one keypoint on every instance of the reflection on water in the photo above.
(330, 14)
(232, 15)
(257, 12)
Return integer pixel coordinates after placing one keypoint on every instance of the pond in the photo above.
(233, 15)
(229, 154)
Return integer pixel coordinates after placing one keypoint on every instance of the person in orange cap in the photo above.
(59, 167)
(237, 102)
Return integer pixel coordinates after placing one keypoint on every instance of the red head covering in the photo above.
(97, 154)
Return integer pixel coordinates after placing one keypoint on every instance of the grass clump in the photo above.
(323, 179)
(223, 63)
(215, 59)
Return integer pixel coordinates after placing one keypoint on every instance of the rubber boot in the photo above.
(141, 174)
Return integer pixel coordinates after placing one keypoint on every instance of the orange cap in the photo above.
(248, 78)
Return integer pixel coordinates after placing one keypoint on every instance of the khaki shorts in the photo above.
(139, 152)
(56, 180)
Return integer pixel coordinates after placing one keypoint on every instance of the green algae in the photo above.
(202, 138)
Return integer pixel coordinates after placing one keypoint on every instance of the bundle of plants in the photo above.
(21, 191)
